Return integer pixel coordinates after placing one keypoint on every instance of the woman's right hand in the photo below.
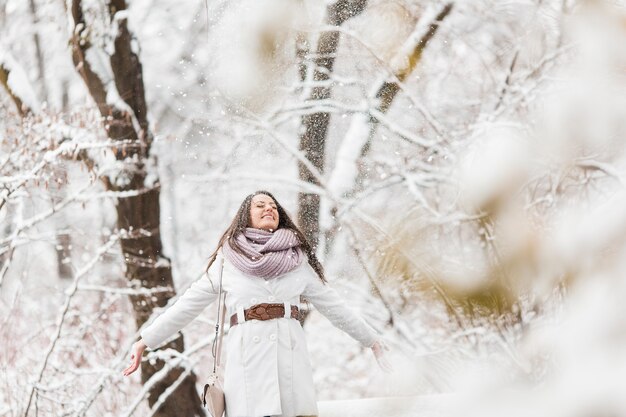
(135, 357)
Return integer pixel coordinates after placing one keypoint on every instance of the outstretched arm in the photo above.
(328, 302)
(188, 306)
(197, 297)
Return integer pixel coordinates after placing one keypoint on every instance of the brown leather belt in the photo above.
(265, 311)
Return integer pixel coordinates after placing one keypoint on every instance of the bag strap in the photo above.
(219, 325)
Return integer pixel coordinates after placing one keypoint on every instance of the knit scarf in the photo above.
(269, 254)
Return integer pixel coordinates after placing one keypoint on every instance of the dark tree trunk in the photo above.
(22, 108)
(138, 216)
(63, 252)
(315, 125)
(42, 87)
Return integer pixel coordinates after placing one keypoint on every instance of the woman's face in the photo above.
(263, 213)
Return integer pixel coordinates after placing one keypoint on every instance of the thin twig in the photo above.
(70, 292)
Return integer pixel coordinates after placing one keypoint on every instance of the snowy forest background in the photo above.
(459, 166)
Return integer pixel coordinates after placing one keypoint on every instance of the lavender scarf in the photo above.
(269, 254)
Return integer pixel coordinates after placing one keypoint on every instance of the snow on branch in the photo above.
(180, 360)
(38, 218)
(389, 73)
(125, 291)
(70, 292)
(402, 133)
(411, 52)
(343, 176)
(363, 127)
(15, 81)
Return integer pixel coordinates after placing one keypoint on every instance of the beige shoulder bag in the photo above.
(213, 395)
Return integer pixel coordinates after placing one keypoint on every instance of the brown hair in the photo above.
(242, 220)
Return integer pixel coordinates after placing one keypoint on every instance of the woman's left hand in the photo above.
(378, 348)
(135, 357)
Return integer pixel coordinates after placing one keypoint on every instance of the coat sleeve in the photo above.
(188, 306)
(328, 302)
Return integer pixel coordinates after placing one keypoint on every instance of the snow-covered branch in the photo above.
(124, 291)
(70, 292)
(15, 81)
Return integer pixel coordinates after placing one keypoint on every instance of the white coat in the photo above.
(268, 371)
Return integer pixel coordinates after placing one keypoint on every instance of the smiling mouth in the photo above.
(269, 216)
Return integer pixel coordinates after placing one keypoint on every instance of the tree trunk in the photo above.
(138, 216)
(5, 71)
(315, 125)
(42, 87)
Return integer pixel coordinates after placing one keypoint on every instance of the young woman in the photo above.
(268, 265)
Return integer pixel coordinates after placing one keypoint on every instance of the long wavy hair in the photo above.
(242, 220)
